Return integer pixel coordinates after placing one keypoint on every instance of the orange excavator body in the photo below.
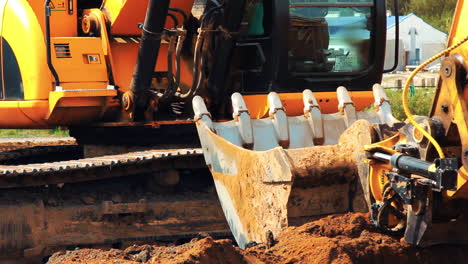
(122, 74)
(92, 66)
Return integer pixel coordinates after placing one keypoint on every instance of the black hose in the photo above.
(173, 85)
(209, 12)
(201, 73)
(196, 58)
(180, 11)
(179, 46)
(198, 67)
(170, 74)
(174, 19)
(149, 47)
(47, 40)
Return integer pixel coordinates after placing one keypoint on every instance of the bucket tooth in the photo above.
(279, 119)
(201, 112)
(314, 116)
(382, 105)
(242, 117)
(346, 106)
(203, 119)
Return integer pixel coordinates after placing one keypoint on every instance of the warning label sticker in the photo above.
(57, 5)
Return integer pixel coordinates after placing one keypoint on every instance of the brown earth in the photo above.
(348, 238)
(205, 250)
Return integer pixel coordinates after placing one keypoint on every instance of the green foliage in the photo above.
(435, 12)
(57, 132)
(420, 104)
(403, 6)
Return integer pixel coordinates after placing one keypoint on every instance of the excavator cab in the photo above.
(290, 46)
(328, 39)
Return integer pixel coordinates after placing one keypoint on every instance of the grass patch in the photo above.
(57, 132)
(420, 104)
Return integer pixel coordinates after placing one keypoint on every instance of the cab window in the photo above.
(331, 36)
(12, 85)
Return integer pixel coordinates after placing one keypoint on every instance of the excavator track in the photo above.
(41, 154)
(107, 201)
(98, 168)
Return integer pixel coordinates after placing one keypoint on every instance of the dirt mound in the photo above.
(203, 251)
(348, 238)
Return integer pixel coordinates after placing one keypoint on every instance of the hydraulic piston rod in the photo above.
(152, 29)
(442, 171)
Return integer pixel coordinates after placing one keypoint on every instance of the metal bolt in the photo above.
(448, 71)
(445, 108)
(125, 102)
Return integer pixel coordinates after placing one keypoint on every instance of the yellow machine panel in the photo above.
(64, 22)
(124, 55)
(19, 32)
(79, 60)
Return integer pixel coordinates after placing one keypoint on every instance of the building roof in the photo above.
(391, 20)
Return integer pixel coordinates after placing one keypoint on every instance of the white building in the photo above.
(418, 41)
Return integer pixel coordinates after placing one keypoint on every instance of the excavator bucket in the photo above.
(279, 171)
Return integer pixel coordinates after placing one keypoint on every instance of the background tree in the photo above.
(436, 12)
(402, 4)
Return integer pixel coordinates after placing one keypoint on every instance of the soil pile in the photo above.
(348, 238)
(198, 251)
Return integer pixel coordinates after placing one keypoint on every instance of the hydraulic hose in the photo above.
(48, 44)
(406, 89)
(170, 70)
(180, 11)
(148, 52)
(198, 61)
(174, 19)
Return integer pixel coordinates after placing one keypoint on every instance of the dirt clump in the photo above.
(347, 238)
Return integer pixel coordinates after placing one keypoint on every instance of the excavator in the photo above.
(147, 89)
(411, 176)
